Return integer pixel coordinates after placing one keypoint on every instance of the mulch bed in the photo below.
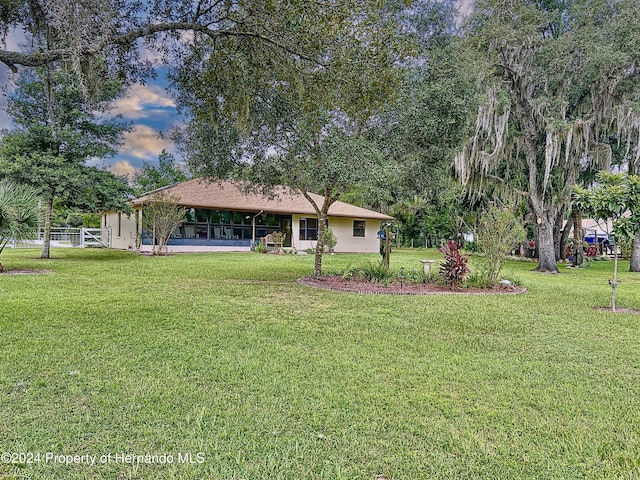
(359, 285)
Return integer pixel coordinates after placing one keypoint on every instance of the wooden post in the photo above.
(387, 252)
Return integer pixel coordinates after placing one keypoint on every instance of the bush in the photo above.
(90, 220)
(472, 247)
(419, 276)
(75, 219)
(479, 279)
(330, 239)
(455, 267)
(498, 233)
(377, 272)
(349, 272)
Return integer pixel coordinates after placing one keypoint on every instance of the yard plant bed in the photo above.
(360, 285)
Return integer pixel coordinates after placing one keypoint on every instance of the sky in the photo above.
(152, 113)
(149, 109)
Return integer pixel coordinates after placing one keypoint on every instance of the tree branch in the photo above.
(36, 59)
(311, 201)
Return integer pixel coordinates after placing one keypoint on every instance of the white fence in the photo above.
(67, 237)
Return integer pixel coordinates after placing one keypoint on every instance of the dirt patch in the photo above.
(358, 285)
(25, 272)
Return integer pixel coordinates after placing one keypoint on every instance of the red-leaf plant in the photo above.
(455, 267)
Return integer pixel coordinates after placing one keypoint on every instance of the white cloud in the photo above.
(123, 168)
(144, 143)
(15, 40)
(141, 100)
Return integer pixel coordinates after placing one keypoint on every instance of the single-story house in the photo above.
(221, 216)
(593, 229)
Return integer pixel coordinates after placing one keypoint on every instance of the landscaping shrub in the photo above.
(377, 272)
(472, 247)
(419, 276)
(498, 233)
(479, 279)
(330, 240)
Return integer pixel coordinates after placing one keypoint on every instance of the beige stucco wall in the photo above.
(123, 236)
(343, 230)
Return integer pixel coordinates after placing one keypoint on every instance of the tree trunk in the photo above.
(322, 220)
(544, 210)
(557, 234)
(614, 282)
(578, 239)
(546, 249)
(634, 266)
(48, 213)
(564, 240)
(154, 250)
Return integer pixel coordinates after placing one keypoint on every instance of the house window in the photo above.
(359, 227)
(119, 224)
(308, 229)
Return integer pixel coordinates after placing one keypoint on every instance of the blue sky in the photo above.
(152, 113)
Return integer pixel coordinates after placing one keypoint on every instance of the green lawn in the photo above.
(223, 356)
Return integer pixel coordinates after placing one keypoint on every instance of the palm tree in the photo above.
(20, 213)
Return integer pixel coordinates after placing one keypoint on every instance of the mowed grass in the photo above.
(225, 357)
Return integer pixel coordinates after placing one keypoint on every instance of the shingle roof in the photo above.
(227, 195)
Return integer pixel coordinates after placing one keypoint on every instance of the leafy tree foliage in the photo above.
(150, 178)
(20, 213)
(56, 132)
(77, 32)
(499, 233)
(316, 135)
(614, 196)
(561, 70)
(423, 129)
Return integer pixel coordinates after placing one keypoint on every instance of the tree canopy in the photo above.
(556, 75)
(56, 133)
(207, 33)
(312, 135)
(150, 177)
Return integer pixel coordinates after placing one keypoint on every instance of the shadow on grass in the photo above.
(88, 255)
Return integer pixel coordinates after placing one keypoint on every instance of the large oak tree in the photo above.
(557, 73)
(311, 132)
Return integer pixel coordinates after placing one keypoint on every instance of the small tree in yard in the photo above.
(20, 213)
(616, 195)
(160, 217)
(499, 231)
